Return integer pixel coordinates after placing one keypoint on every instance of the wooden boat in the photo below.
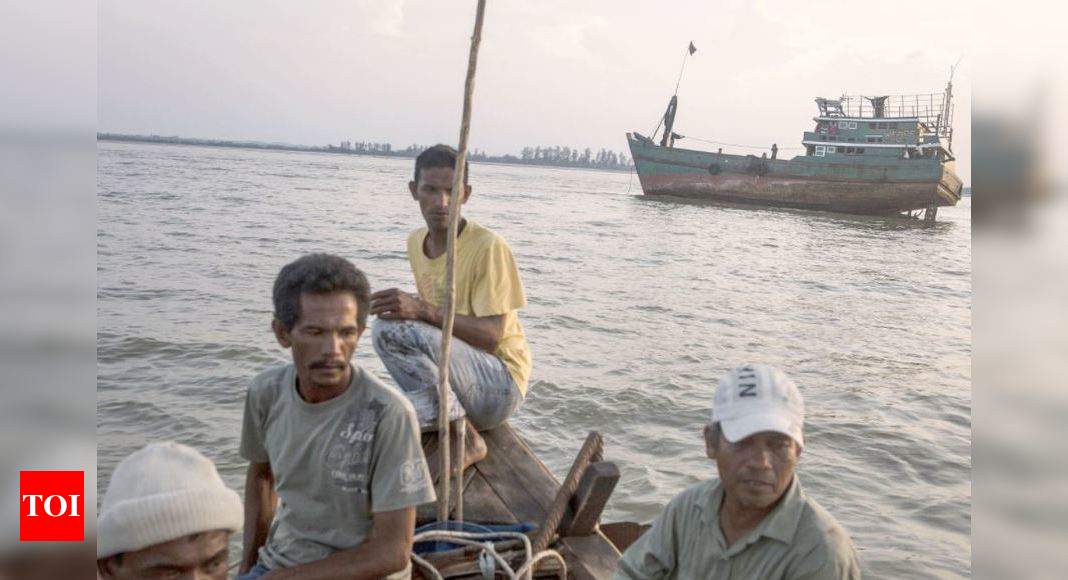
(512, 486)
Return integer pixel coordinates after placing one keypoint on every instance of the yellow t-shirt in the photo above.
(487, 284)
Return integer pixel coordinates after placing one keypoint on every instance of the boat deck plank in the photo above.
(516, 475)
(512, 485)
(483, 505)
(590, 557)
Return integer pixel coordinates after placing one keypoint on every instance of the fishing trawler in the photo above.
(878, 155)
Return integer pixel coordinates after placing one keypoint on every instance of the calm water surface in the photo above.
(636, 307)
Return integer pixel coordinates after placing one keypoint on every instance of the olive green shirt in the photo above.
(797, 540)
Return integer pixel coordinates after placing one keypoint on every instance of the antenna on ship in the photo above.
(947, 106)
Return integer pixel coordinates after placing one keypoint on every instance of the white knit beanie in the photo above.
(162, 492)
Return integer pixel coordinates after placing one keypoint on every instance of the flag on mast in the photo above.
(693, 48)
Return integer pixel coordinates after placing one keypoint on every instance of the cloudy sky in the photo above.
(551, 72)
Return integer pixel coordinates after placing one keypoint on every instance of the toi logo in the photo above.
(51, 506)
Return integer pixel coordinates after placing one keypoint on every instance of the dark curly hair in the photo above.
(318, 274)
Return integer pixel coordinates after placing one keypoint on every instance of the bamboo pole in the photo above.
(458, 473)
(450, 258)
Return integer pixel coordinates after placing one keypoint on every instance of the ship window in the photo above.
(820, 150)
(860, 151)
(809, 150)
(843, 124)
(830, 149)
(852, 124)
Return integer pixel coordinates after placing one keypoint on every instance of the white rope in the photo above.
(739, 145)
(526, 571)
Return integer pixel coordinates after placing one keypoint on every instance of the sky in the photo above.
(550, 72)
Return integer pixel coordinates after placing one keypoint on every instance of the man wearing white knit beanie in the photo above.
(166, 513)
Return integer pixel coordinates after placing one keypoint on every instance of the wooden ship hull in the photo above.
(512, 486)
(875, 186)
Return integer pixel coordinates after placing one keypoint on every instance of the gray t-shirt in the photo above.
(335, 463)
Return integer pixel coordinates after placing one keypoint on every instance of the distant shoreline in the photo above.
(410, 152)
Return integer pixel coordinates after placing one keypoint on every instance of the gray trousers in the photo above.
(482, 389)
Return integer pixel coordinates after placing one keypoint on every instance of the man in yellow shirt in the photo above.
(490, 360)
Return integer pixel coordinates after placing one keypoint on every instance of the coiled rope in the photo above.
(489, 553)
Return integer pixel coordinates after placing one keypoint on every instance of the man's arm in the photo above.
(385, 551)
(653, 555)
(481, 332)
(260, 502)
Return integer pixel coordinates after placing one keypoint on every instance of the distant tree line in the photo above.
(555, 156)
(568, 157)
(368, 148)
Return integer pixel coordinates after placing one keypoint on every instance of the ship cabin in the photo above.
(880, 129)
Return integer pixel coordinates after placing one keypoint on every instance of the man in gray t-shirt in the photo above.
(339, 448)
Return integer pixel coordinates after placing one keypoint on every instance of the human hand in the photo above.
(394, 304)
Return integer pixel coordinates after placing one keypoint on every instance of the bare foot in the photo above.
(474, 445)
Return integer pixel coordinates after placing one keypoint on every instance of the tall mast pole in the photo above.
(669, 115)
(681, 69)
(455, 200)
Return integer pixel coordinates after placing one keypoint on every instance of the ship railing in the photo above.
(930, 109)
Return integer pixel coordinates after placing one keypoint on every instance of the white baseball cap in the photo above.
(758, 397)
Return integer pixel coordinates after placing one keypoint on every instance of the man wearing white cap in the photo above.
(754, 521)
(166, 514)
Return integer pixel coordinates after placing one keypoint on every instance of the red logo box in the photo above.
(51, 506)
